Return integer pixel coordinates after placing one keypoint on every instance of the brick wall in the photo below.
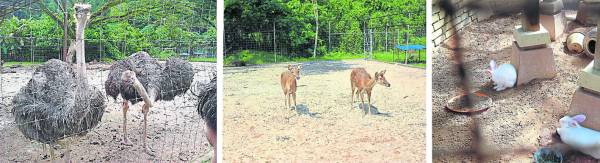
(442, 28)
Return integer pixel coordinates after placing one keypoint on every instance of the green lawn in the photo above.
(259, 57)
(199, 59)
(26, 64)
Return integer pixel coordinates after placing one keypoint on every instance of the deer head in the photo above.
(380, 79)
(295, 70)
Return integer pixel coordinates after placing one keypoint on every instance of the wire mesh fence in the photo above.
(175, 132)
(382, 43)
(175, 129)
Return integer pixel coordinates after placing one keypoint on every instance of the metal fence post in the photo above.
(328, 36)
(274, 41)
(371, 44)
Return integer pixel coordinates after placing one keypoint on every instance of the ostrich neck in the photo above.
(82, 16)
(81, 67)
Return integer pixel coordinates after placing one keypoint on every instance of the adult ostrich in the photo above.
(58, 102)
(207, 108)
(142, 78)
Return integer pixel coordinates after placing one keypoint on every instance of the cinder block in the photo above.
(590, 78)
(551, 7)
(586, 102)
(533, 63)
(585, 13)
(555, 24)
(533, 39)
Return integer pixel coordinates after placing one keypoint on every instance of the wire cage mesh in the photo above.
(176, 132)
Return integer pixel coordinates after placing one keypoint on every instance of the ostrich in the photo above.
(142, 78)
(207, 108)
(58, 102)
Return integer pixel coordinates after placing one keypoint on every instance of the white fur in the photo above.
(578, 137)
(504, 76)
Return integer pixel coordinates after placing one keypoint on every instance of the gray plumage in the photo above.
(165, 83)
(207, 102)
(55, 104)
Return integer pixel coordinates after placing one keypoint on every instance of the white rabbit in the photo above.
(578, 137)
(504, 76)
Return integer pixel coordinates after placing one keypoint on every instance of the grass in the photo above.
(259, 57)
(26, 64)
(201, 59)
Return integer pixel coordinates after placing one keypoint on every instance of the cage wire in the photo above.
(176, 131)
(376, 41)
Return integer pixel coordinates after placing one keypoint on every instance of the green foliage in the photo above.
(251, 57)
(246, 21)
(164, 28)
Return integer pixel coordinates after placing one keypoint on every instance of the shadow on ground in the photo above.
(301, 109)
(374, 110)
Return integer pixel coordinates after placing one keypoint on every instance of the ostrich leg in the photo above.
(125, 138)
(145, 110)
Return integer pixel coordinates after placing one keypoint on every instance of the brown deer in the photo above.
(288, 83)
(361, 81)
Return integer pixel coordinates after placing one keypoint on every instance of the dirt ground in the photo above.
(325, 126)
(519, 116)
(175, 130)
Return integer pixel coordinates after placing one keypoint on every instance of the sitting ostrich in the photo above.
(142, 78)
(58, 102)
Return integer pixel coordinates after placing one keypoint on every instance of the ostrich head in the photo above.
(128, 77)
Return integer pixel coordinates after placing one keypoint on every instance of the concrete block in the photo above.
(533, 39)
(590, 78)
(586, 102)
(555, 24)
(533, 63)
(551, 7)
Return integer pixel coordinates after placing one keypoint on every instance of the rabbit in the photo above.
(578, 137)
(504, 76)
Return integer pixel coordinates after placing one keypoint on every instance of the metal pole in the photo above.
(65, 28)
(328, 35)
(274, 41)
(386, 37)
(371, 44)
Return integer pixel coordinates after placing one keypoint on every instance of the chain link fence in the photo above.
(381, 43)
(176, 132)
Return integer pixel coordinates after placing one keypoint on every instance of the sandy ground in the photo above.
(519, 116)
(175, 130)
(325, 126)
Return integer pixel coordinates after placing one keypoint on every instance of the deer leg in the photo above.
(294, 95)
(352, 94)
(369, 99)
(125, 138)
(362, 99)
(289, 100)
(145, 110)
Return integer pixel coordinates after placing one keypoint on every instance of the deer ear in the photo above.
(376, 74)
(289, 67)
(382, 72)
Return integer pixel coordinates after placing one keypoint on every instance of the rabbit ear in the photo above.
(492, 65)
(579, 118)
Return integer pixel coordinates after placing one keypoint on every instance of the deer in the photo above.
(288, 83)
(361, 81)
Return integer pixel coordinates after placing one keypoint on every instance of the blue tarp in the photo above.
(410, 47)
